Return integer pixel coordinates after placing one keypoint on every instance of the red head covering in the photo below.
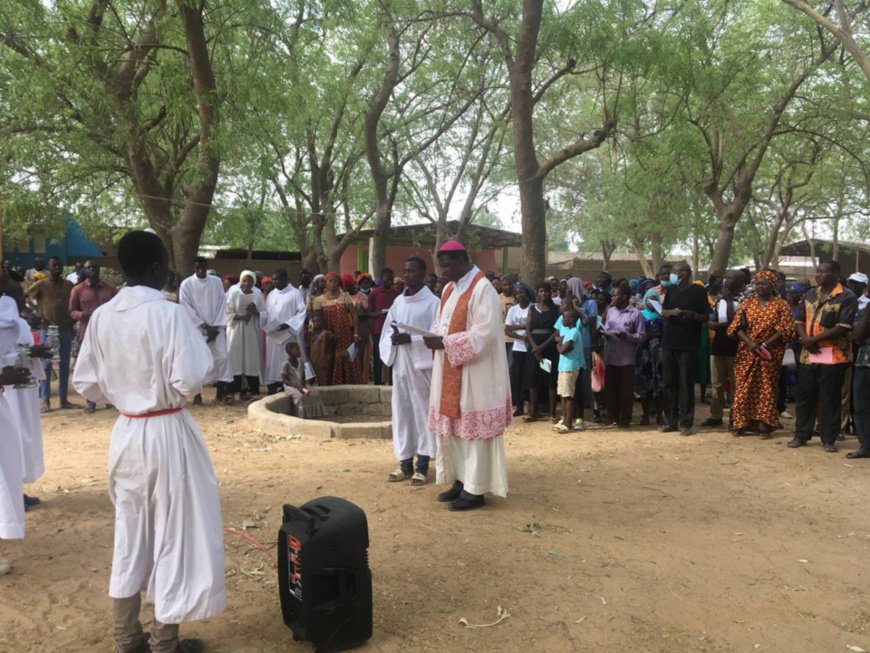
(347, 280)
(332, 275)
(266, 280)
(769, 275)
(233, 279)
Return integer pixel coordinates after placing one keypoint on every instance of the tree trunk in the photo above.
(637, 246)
(533, 210)
(696, 253)
(724, 242)
(835, 240)
(658, 257)
(812, 243)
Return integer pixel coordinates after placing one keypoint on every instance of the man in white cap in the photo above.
(857, 283)
(470, 401)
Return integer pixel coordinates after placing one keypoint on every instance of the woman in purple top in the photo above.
(624, 329)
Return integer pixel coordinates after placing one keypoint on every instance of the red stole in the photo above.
(451, 384)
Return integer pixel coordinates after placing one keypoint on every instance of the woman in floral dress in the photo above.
(763, 324)
(339, 317)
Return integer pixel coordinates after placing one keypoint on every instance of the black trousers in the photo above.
(518, 364)
(679, 370)
(861, 404)
(817, 382)
(253, 384)
(378, 364)
(619, 390)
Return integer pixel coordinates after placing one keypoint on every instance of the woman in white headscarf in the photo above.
(246, 315)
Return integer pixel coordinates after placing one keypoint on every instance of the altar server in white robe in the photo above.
(412, 374)
(285, 311)
(143, 355)
(246, 316)
(24, 402)
(203, 296)
(11, 506)
(470, 403)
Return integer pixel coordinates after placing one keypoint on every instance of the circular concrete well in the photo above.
(352, 411)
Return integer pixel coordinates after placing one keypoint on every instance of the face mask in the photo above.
(674, 280)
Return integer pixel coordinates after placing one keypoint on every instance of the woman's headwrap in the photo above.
(248, 273)
(333, 275)
(645, 285)
(231, 279)
(529, 292)
(768, 275)
(648, 313)
(576, 287)
(796, 288)
(347, 281)
(636, 283)
(314, 281)
(363, 275)
(266, 280)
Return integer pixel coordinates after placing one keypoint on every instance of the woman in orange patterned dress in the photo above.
(764, 325)
(340, 317)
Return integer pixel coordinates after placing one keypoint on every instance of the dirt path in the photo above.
(653, 543)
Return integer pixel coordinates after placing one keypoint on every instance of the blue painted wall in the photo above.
(74, 244)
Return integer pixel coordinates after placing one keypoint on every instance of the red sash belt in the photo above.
(156, 413)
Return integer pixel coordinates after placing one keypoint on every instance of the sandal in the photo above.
(529, 418)
(398, 476)
(858, 453)
(555, 420)
(829, 448)
(561, 428)
(419, 479)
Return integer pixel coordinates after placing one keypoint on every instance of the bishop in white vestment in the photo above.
(143, 354)
(470, 404)
(411, 361)
(11, 473)
(203, 296)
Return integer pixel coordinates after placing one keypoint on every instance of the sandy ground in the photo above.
(647, 542)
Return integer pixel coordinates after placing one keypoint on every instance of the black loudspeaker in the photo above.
(323, 574)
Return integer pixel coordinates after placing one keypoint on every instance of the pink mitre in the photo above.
(452, 246)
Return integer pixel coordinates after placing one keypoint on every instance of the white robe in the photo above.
(281, 307)
(11, 490)
(412, 374)
(142, 354)
(244, 338)
(24, 403)
(471, 446)
(206, 302)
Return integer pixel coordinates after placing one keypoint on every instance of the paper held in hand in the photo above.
(547, 365)
(351, 352)
(417, 332)
(656, 306)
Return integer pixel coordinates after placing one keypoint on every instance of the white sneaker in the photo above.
(784, 414)
(578, 425)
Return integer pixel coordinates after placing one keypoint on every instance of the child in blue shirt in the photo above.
(571, 361)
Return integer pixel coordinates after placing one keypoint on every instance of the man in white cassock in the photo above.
(24, 402)
(285, 316)
(11, 467)
(143, 354)
(412, 373)
(203, 296)
(470, 402)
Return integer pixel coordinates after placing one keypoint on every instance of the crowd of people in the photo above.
(466, 353)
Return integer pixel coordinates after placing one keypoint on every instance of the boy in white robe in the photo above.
(203, 296)
(143, 354)
(24, 402)
(412, 374)
(285, 308)
(11, 506)
(470, 404)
